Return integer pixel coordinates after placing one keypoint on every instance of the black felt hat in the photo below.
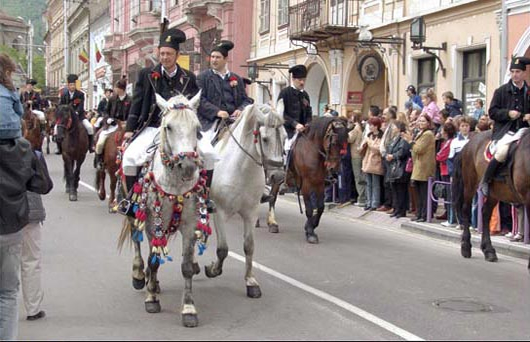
(31, 81)
(122, 84)
(223, 47)
(519, 63)
(299, 71)
(172, 38)
(71, 78)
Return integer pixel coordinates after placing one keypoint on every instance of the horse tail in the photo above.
(125, 234)
(457, 187)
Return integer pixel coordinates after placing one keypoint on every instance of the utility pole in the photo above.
(65, 19)
(504, 41)
(30, 50)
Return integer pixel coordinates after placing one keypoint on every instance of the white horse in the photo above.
(171, 198)
(255, 142)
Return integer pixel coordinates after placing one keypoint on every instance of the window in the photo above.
(118, 16)
(134, 12)
(425, 74)
(155, 5)
(283, 12)
(337, 13)
(474, 79)
(265, 16)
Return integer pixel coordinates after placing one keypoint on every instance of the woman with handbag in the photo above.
(423, 159)
(373, 164)
(397, 155)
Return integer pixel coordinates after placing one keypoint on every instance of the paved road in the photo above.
(362, 281)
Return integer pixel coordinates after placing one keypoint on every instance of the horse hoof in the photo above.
(491, 256)
(312, 239)
(73, 197)
(101, 196)
(153, 307)
(138, 284)
(208, 270)
(465, 251)
(273, 228)
(253, 291)
(190, 320)
(196, 268)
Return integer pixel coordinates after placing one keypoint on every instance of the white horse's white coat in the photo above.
(239, 179)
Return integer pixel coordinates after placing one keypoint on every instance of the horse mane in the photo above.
(318, 127)
(186, 116)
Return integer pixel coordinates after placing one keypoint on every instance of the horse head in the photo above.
(331, 134)
(178, 135)
(64, 115)
(272, 137)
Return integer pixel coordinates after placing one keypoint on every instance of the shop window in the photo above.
(474, 78)
(265, 17)
(425, 74)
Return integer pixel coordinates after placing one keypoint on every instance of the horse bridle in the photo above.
(331, 138)
(169, 159)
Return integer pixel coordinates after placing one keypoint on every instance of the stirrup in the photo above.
(125, 208)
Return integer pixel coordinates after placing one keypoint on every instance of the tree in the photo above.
(21, 58)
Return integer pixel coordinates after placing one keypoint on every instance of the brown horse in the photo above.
(50, 124)
(316, 153)
(110, 152)
(31, 129)
(72, 136)
(514, 189)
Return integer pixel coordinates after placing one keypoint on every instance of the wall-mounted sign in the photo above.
(355, 97)
(370, 68)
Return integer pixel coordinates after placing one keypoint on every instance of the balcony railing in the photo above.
(314, 20)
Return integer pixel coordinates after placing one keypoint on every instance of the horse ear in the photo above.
(195, 101)
(162, 104)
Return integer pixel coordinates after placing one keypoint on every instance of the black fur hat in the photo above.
(223, 47)
(519, 63)
(71, 78)
(172, 38)
(299, 71)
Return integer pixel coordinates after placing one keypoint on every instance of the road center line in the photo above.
(320, 294)
(334, 300)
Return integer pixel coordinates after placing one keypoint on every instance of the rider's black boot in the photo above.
(91, 143)
(488, 176)
(129, 182)
(98, 161)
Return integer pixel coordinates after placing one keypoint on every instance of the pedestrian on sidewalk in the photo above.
(448, 134)
(373, 164)
(424, 161)
(397, 155)
(355, 138)
(31, 257)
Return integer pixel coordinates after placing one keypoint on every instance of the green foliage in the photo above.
(29, 10)
(21, 58)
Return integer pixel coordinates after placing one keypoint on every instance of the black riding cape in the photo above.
(504, 100)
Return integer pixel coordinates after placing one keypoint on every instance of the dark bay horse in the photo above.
(72, 136)
(315, 154)
(50, 124)
(31, 129)
(110, 153)
(514, 189)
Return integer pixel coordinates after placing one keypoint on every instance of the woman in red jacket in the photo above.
(448, 133)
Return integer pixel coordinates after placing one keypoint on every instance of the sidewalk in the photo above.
(435, 230)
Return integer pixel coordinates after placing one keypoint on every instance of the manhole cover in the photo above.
(462, 305)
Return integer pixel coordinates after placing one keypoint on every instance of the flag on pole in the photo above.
(98, 53)
(83, 56)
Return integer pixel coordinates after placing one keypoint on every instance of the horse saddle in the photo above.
(503, 170)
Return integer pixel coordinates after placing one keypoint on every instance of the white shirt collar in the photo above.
(220, 74)
(300, 90)
(122, 97)
(172, 74)
(71, 93)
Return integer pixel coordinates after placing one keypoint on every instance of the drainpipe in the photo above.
(65, 19)
(504, 40)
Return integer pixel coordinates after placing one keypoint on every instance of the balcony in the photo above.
(200, 8)
(317, 20)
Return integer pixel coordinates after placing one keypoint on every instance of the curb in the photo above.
(517, 250)
(434, 230)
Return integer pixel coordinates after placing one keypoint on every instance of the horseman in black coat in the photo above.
(30, 97)
(510, 109)
(223, 92)
(168, 79)
(298, 112)
(117, 111)
(75, 98)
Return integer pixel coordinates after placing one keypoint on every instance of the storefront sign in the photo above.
(355, 97)
(370, 68)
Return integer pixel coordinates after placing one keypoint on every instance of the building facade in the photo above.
(100, 72)
(518, 31)
(14, 33)
(135, 30)
(359, 52)
(55, 41)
